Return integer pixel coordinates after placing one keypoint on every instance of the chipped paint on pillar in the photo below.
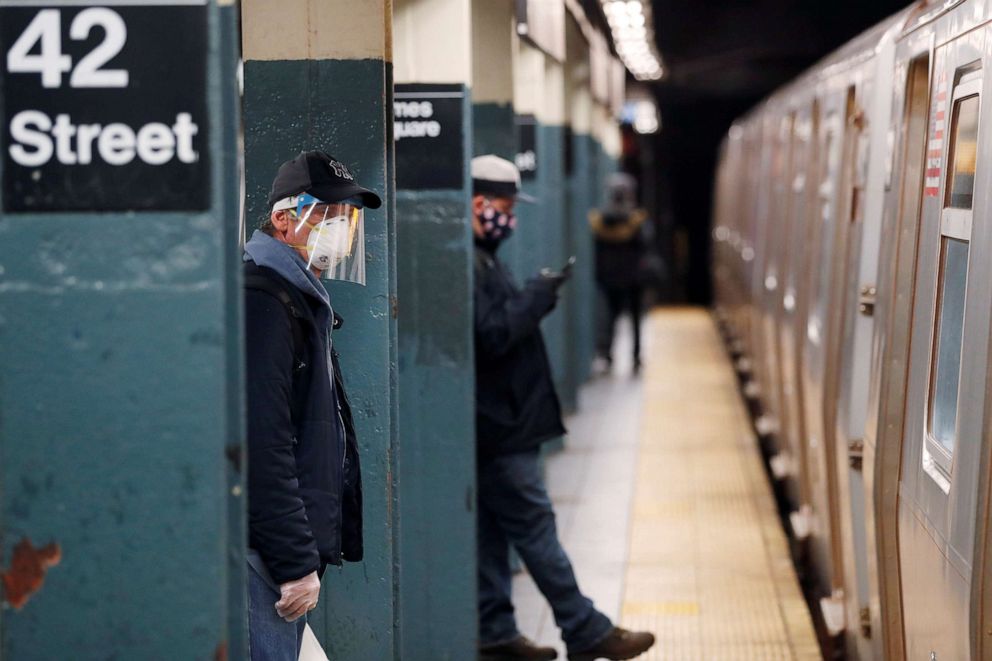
(340, 106)
(117, 333)
(26, 573)
(438, 617)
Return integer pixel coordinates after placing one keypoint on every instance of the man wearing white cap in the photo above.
(517, 410)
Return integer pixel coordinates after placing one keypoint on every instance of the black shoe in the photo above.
(515, 650)
(618, 644)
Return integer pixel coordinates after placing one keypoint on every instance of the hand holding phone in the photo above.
(559, 278)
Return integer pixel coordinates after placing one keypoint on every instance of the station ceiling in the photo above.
(722, 57)
(746, 48)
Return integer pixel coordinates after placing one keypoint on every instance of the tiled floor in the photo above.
(665, 511)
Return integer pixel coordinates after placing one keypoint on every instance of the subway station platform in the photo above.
(666, 512)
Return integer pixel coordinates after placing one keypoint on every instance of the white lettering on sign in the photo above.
(89, 105)
(413, 109)
(431, 129)
(36, 139)
(45, 33)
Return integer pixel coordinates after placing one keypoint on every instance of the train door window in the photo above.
(955, 235)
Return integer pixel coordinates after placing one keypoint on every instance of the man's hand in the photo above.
(555, 278)
(298, 597)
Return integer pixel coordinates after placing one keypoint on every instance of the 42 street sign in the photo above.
(103, 107)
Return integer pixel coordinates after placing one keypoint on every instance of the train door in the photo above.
(784, 302)
(789, 464)
(948, 363)
(766, 273)
(840, 609)
(866, 176)
(769, 218)
(891, 341)
(819, 523)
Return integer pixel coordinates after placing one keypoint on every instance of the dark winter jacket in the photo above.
(620, 248)
(304, 485)
(516, 405)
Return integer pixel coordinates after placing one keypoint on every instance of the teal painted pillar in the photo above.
(437, 586)
(580, 187)
(333, 91)
(541, 234)
(120, 340)
(230, 48)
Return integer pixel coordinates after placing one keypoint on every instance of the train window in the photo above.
(950, 320)
(955, 235)
(964, 147)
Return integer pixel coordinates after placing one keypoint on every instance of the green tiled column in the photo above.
(580, 187)
(335, 93)
(436, 604)
(120, 401)
(541, 235)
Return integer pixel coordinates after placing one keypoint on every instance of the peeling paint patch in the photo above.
(27, 571)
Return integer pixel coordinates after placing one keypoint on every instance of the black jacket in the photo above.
(304, 482)
(620, 248)
(516, 405)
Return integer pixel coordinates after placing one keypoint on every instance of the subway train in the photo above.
(852, 266)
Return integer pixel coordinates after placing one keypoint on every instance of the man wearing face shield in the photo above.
(304, 484)
(517, 410)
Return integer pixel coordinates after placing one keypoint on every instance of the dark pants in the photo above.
(619, 300)
(514, 508)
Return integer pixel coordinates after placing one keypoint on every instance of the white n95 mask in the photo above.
(330, 242)
(336, 243)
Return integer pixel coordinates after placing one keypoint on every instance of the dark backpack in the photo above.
(296, 315)
(352, 547)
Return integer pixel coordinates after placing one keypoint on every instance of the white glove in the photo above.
(298, 597)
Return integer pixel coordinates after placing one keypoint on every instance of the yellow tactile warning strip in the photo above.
(708, 569)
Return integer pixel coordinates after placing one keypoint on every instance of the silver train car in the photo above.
(852, 265)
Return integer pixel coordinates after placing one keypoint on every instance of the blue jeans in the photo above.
(514, 508)
(270, 638)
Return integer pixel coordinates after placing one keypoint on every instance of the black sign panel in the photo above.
(428, 131)
(104, 108)
(527, 146)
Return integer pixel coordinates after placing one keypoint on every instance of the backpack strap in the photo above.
(259, 282)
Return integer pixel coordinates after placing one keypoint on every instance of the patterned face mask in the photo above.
(496, 225)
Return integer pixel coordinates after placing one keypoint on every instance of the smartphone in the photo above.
(568, 265)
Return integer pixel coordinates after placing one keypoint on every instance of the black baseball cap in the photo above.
(321, 175)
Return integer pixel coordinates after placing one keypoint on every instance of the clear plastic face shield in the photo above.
(336, 242)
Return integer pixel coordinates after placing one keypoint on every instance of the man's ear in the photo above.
(280, 219)
(478, 202)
